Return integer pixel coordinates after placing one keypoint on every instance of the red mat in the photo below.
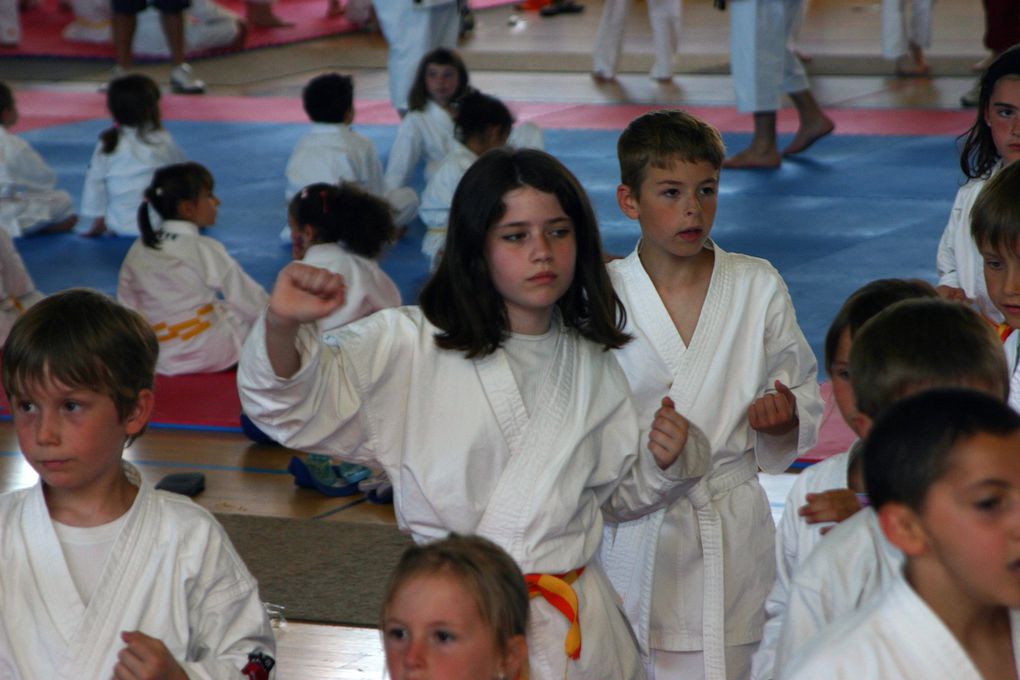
(41, 27)
(201, 402)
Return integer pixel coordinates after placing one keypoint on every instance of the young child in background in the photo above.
(827, 491)
(943, 472)
(344, 229)
(990, 145)
(717, 332)
(995, 227)
(332, 152)
(29, 200)
(126, 156)
(912, 346)
(493, 406)
(104, 576)
(194, 294)
(469, 588)
(483, 123)
(428, 130)
(17, 291)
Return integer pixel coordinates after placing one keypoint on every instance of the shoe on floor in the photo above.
(972, 96)
(183, 81)
(568, 7)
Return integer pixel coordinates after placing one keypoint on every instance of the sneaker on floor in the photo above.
(183, 81)
(115, 72)
(972, 96)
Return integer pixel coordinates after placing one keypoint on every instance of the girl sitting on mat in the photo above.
(427, 131)
(989, 145)
(494, 406)
(196, 296)
(126, 156)
(478, 593)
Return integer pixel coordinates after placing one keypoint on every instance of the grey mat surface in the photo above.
(327, 572)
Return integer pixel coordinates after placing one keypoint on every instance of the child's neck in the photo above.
(98, 504)
(682, 284)
(984, 631)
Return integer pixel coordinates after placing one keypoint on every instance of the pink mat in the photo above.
(42, 25)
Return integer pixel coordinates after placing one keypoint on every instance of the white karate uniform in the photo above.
(844, 572)
(1012, 348)
(665, 19)
(465, 455)
(795, 540)
(172, 574)
(713, 551)
(896, 636)
(412, 29)
(29, 199)
(115, 183)
(369, 289)
(438, 197)
(207, 25)
(762, 60)
(333, 153)
(429, 133)
(959, 263)
(898, 33)
(196, 296)
(17, 291)
(10, 23)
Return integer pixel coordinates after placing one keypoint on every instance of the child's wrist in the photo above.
(278, 322)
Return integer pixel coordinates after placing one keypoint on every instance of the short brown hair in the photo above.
(483, 568)
(923, 343)
(995, 217)
(84, 339)
(661, 138)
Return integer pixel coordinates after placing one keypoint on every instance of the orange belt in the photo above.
(185, 330)
(1004, 330)
(558, 591)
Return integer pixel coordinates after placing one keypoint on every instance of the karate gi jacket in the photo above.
(369, 289)
(29, 199)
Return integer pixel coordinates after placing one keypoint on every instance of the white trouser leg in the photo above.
(665, 17)
(609, 37)
(920, 23)
(894, 32)
(10, 23)
(757, 45)
(410, 33)
(794, 76)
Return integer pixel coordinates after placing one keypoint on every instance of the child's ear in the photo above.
(861, 424)
(902, 526)
(516, 659)
(140, 413)
(628, 201)
(186, 209)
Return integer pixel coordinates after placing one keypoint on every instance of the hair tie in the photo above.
(304, 194)
(158, 191)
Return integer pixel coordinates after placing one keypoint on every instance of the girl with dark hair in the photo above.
(991, 143)
(494, 407)
(427, 131)
(126, 156)
(194, 294)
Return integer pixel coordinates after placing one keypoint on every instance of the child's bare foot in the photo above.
(980, 66)
(808, 134)
(62, 226)
(908, 66)
(602, 78)
(752, 158)
(262, 16)
(98, 229)
(334, 8)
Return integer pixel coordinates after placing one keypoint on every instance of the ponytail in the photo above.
(170, 185)
(150, 239)
(110, 137)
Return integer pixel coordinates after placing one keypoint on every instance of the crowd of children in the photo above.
(601, 426)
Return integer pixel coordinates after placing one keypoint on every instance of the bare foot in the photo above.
(262, 16)
(668, 80)
(602, 77)
(98, 229)
(907, 67)
(809, 134)
(62, 226)
(334, 9)
(979, 67)
(804, 57)
(754, 159)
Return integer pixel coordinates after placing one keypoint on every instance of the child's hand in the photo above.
(146, 658)
(305, 293)
(834, 505)
(669, 434)
(774, 413)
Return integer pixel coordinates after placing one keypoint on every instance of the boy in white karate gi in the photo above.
(912, 346)
(827, 492)
(331, 152)
(943, 471)
(717, 332)
(102, 575)
(29, 200)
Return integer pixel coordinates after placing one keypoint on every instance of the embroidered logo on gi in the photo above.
(259, 665)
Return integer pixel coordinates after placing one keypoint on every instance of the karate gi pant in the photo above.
(10, 23)
(899, 32)
(762, 60)
(411, 31)
(664, 16)
(661, 665)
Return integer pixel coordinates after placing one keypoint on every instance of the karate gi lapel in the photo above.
(89, 646)
(531, 440)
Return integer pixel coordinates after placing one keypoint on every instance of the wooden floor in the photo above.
(518, 56)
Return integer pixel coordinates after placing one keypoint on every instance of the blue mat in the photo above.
(855, 209)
